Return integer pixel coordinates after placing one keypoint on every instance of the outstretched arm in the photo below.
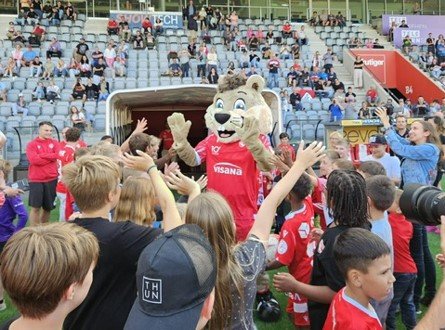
(285, 282)
(140, 128)
(145, 163)
(306, 158)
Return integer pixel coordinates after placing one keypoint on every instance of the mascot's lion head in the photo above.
(237, 97)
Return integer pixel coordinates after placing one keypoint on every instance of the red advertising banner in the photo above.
(393, 70)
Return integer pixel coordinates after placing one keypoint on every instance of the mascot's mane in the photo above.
(231, 82)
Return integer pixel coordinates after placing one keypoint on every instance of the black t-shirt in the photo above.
(358, 64)
(93, 88)
(99, 69)
(113, 290)
(325, 273)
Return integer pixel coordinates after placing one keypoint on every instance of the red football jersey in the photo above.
(319, 200)
(347, 314)
(402, 232)
(291, 149)
(79, 144)
(232, 171)
(296, 251)
(66, 156)
(167, 139)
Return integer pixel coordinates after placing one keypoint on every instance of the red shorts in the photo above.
(297, 308)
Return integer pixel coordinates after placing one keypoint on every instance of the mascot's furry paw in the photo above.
(249, 131)
(180, 128)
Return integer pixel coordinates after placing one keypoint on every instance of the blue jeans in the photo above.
(403, 295)
(272, 81)
(255, 63)
(426, 269)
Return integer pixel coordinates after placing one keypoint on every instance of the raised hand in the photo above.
(202, 181)
(171, 168)
(140, 163)
(181, 183)
(309, 156)
(179, 127)
(141, 126)
(382, 114)
(249, 130)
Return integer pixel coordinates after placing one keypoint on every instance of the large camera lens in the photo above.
(422, 204)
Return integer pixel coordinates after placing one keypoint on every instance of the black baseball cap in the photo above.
(175, 275)
(377, 139)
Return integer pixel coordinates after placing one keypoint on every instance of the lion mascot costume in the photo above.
(237, 148)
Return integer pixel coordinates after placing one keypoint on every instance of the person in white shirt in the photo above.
(391, 164)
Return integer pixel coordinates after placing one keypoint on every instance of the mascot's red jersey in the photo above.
(233, 172)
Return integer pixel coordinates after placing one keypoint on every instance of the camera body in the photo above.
(422, 204)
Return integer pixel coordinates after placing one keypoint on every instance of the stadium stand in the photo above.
(155, 65)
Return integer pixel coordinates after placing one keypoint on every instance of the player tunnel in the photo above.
(125, 107)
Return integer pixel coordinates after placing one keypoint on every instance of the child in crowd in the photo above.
(364, 261)
(137, 202)
(344, 150)
(381, 193)
(343, 164)
(12, 208)
(319, 183)
(370, 168)
(405, 270)
(286, 146)
(94, 182)
(347, 211)
(47, 272)
(296, 248)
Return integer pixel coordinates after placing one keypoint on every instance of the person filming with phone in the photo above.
(420, 153)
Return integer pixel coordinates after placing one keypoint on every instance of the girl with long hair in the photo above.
(240, 264)
(348, 207)
(420, 153)
(137, 202)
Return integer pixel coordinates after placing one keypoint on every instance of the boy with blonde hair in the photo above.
(94, 182)
(47, 272)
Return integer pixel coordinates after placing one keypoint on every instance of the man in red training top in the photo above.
(42, 153)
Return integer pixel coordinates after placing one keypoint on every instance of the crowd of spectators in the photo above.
(430, 56)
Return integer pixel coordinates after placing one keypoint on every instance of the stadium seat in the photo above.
(99, 122)
(47, 109)
(34, 108)
(5, 109)
(59, 121)
(13, 122)
(308, 132)
(101, 107)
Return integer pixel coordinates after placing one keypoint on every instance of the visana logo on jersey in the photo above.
(228, 168)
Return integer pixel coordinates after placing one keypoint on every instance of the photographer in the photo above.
(421, 155)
